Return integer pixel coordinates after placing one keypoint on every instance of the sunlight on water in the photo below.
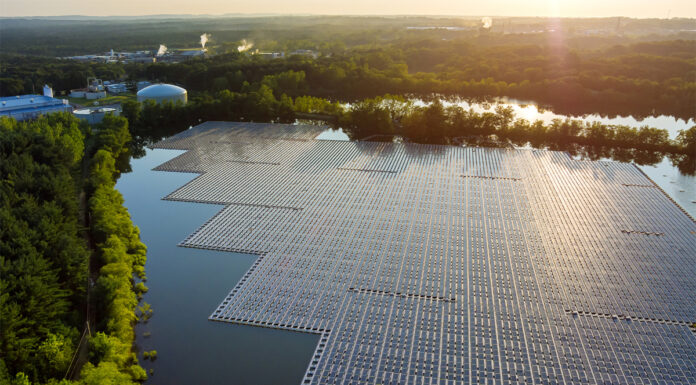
(331, 134)
(680, 187)
(531, 112)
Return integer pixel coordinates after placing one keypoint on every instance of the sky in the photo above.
(557, 8)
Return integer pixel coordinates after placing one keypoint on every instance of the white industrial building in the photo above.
(95, 115)
(271, 55)
(193, 53)
(161, 93)
(26, 107)
(304, 52)
(94, 90)
(116, 88)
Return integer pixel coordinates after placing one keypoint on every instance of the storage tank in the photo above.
(163, 92)
(95, 115)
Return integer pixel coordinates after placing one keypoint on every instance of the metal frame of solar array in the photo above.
(423, 264)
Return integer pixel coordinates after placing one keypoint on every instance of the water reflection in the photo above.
(186, 285)
(682, 188)
(531, 111)
(333, 134)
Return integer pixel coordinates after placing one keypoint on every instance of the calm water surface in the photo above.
(532, 112)
(682, 188)
(186, 285)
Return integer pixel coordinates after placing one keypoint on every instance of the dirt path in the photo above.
(82, 355)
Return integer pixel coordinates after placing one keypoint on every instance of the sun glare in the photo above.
(554, 8)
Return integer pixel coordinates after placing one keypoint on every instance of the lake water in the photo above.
(682, 188)
(186, 285)
(532, 112)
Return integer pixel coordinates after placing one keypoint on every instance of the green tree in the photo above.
(687, 140)
(56, 353)
(106, 373)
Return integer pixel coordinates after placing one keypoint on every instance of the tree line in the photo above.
(389, 116)
(434, 123)
(639, 79)
(574, 75)
(49, 242)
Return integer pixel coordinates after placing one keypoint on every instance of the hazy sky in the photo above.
(564, 8)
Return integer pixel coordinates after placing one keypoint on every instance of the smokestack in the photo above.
(204, 39)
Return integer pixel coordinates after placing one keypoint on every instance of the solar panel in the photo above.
(428, 264)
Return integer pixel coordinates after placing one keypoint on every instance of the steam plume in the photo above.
(246, 45)
(204, 39)
(486, 22)
(162, 50)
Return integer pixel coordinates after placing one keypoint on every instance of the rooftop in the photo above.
(13, 103)
(161, 89)
(31, 106)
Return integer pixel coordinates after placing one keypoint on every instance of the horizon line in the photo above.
(207, 15)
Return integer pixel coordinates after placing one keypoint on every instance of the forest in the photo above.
(78, 35)
(634, 67)
(69, 254)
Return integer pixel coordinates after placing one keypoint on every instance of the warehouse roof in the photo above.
(28, 102)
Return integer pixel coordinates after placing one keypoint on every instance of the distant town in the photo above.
(166, 55)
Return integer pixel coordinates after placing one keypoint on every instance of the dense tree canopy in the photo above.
(43, 259)
(44, 164)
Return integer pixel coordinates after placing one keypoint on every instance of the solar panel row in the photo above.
(425, 264)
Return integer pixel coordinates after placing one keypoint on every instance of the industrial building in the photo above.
(177, 56)
(168, 56)
(94, 90)
(193, 53)
(305, 52)
(280, 55)
(116, 88)
(432, 264)
(115, 57)
(161, 93)
(26, 107)
(94, 115)
(271, 55)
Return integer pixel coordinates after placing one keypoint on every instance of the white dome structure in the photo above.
(163, 92)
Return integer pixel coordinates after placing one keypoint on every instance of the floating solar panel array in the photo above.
(425, 264)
